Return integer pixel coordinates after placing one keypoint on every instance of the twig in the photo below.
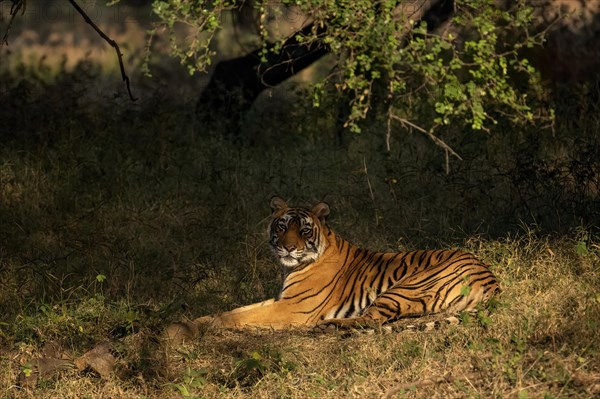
(388, 134)
(109, 41)
(368, 180)
(14, 9)
(370, 190)
(439, 142)
(430, 381)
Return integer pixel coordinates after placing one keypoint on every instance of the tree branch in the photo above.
(109, 41)
(434, 138)
(236, 83)
(14, 9)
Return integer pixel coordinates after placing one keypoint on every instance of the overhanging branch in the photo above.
(14, 10)
(109, 41)
(429, 133)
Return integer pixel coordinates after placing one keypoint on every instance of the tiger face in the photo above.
(296, 234)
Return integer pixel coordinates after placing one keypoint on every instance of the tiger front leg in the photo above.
(189, 330)
(268, 314)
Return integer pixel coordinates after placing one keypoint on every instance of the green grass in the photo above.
(116, 219)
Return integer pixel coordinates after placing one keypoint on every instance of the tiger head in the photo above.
(297, 235)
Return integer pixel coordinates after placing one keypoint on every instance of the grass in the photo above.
(116, 219)
(541, 342)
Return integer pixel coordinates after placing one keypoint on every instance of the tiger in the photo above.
(329, 283)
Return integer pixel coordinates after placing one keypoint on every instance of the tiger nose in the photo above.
(289, 247)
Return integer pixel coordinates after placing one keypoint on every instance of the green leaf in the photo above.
(183, 390)
(465, 290)
(27, 369)
(581, 247)
(523, 394)
(484, 320)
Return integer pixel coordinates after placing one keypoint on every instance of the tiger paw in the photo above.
(325, 328)
(181, 331)
(204, 320)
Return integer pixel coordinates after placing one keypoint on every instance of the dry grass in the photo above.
(116, 219)
(542, 342)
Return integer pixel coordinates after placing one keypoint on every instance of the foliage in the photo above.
(192, 380)
(465, 75)
(258, 364)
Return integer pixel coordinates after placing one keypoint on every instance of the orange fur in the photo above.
(331, 282)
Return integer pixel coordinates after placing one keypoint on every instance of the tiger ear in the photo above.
(321, 210)
(278, 204)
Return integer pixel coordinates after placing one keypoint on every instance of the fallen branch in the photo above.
(109, 41)
(449, 379)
